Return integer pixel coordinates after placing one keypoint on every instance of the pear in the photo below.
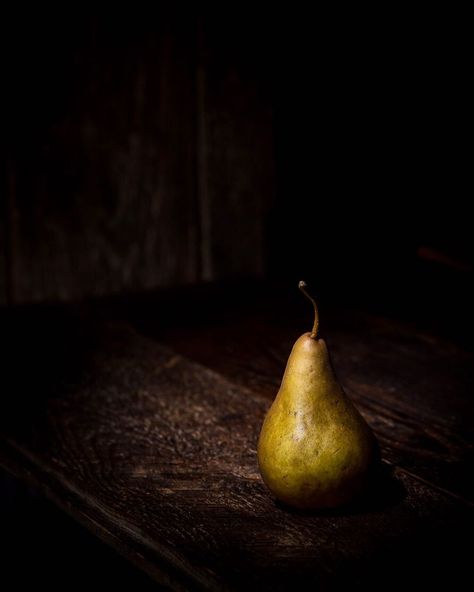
(315, 449)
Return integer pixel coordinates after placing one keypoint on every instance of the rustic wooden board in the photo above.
(156, 454)
(236, 151)
(141, 156)
(104, 160)
(414, 388)
(398, 374)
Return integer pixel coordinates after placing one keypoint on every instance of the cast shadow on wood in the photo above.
(45, 351)
(383, 491)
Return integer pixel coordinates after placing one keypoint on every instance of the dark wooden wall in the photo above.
(170, 147)
(139, 154)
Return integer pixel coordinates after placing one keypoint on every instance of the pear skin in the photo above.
(315, 449)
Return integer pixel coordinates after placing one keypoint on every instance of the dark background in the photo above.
(154, 149)
(145, 151)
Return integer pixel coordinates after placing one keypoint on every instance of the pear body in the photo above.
(315, 449)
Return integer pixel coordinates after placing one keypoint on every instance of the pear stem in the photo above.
(314, 333)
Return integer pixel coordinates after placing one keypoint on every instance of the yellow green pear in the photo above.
(315, 449)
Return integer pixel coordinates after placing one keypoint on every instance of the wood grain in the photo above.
(236, 151)
(414, 388)
(156, 454)
(406, 394)
(142, 156)
(105, 177)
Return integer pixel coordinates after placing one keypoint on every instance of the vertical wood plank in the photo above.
(106, 190)
(237, 146)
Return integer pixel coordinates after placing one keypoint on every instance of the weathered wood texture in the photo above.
(395, 371)
(157, 455)
(236, 146)
(105, 190)
(141, 156)
(45, 547)
(424, 388)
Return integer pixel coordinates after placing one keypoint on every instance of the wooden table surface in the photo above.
(140, 418)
